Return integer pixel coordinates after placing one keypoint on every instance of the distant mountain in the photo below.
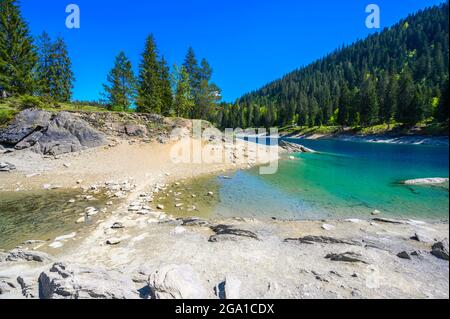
(397, 75)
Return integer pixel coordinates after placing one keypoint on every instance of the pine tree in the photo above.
(184, 100)
(405, 95)
(61, 75)
(369, 106)
(442, 111)
(166, 89)
(17, 52)
(120, 89)
(149, 98)
(43, 76)
(191, 66)
(344, 106)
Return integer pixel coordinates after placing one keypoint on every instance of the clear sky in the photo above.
(247, 42)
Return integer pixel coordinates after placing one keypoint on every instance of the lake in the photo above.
(344, 180)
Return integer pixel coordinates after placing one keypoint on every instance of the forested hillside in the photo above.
(398, 75)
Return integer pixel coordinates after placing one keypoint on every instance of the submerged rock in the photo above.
(193, 221)
(76, 282)
(426, 181)
(176, 282)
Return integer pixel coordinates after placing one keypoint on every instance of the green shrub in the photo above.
(28, 102)
(6, 115)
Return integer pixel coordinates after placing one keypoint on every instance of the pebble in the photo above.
(113, 241)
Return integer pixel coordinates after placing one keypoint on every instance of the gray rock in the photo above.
(350, 257)
(17, 255)
(76, 282)
(440, 249)
(295, 148)
(50, 134)
(66, 133)
(29, 287)
(6, 167)
(229, 233)
(422, 237)
(321, 240)
(135, 130)
(193, 221)
(176, 282)
(403, 255)
(24, 124)
(117, 226)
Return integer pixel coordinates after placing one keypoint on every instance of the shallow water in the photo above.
(346, 179)
(40, 215)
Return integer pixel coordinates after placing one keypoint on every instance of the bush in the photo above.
(6, 115)
(28, 102)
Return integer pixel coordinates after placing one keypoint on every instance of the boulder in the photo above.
(176, 282)
(77, 282)
(66, 133)
(24, 124)
(440, 249)
(403, 255)
(135, 130)
(50, 134)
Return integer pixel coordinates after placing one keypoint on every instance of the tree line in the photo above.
(399, 75)
(31, 66)
(187, 91)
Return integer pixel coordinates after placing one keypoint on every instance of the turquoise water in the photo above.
(346, 179)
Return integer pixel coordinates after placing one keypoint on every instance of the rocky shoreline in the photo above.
(136, 250)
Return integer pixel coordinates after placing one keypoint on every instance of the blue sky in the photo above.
(247, 42)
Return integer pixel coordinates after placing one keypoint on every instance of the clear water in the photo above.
(346, 179)
(40, 215)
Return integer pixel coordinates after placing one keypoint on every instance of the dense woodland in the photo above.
(399, 75)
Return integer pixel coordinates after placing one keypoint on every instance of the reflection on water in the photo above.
(40, 215)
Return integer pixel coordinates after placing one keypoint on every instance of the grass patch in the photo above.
(6, 114)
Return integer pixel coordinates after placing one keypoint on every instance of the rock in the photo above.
(135, 130)
(117, 225)
(160, 207)
(77, 282)
(176, 282)
(389, 221)
(328, 227)
(26, 255)
(113, 241)
(66, 237)
(23, 125)
(376, 212)
(321, 240)
(426, 181)
(28, 287)
(6, 167)
(225, 233)
(49, 134)
(440, 249)
(403, 255)
(232, 287)
(350, 257)
(193, 221)
(422, 237)
(81, 220)
(295, 148)
(210, 193)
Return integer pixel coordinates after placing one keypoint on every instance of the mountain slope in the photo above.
(397, 75)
